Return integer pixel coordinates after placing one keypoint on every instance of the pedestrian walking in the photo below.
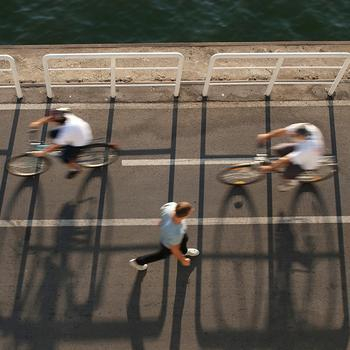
(173, 236)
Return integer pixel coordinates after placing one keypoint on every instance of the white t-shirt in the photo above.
(74, 132)
(307, 152)
(170, 233)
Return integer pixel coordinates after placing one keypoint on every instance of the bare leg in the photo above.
(73, 165)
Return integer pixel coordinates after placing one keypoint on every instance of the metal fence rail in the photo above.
(280, 57)
(13, 70)
(113, 57)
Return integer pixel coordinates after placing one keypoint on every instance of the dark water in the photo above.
(116, 21)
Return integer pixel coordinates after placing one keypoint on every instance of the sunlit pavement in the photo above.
(273, 284)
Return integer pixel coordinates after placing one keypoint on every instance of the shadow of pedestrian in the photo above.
(150, 328)
(135, 323)
(182, 281)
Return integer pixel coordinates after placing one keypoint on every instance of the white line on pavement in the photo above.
(260, 220)
(190, 161)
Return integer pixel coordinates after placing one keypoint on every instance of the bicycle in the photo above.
(248, 172)
(94, 155)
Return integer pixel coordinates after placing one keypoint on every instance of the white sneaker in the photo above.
(192, 252)
(137, 266)
(287, 185)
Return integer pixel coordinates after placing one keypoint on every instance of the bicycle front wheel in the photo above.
(240, 174)
(28, 165)
(97, 155)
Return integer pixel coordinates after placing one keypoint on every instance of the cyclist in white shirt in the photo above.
(71, 135)
(303, 153)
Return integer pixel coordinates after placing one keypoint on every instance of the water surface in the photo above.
(133, 21)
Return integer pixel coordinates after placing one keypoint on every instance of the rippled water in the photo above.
(114, 21)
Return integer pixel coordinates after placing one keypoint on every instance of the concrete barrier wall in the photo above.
(197, 55)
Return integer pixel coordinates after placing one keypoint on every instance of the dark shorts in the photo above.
(70, 153)
(292, 170)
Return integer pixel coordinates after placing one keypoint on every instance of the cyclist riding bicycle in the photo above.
(298, 156)
(70, 136)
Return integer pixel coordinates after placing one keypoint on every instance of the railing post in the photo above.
(339, 77)
(15, 76)
(113, 91)
(179, 75)
(47, 77)
(208, 77)
(274, 76)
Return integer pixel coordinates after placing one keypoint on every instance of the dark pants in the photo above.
(292, 170)
(162, 253)
(70, 153)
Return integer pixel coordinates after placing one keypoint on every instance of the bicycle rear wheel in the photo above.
(28, 165)
(97, 155)
(240, 174)
(323, 172)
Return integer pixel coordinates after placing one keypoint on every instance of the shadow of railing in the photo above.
(140, 329)
(9, 151)
(63, 279)
(286, 265)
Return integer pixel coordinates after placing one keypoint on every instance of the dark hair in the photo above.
(302, 131)
(182, 209)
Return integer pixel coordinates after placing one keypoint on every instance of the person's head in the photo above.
(58, 115)
(301, 133)
(183, 209)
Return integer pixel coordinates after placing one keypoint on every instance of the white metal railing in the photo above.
(280, 57)
(13, 70)
(113, 57)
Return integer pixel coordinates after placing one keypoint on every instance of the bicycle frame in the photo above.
(264, 158)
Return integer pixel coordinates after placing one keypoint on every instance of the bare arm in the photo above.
(40, 122)
(273, 133)
(175, 250)
(279, 163)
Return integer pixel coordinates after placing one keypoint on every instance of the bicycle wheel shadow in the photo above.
(238, 201)
(237, 276)
(77, 241)
(64, 277)
(15, 247)
(307, 281)
(27, 188)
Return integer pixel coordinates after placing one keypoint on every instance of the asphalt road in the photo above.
(272, 284)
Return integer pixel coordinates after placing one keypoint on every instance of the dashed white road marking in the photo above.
(259, 220)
